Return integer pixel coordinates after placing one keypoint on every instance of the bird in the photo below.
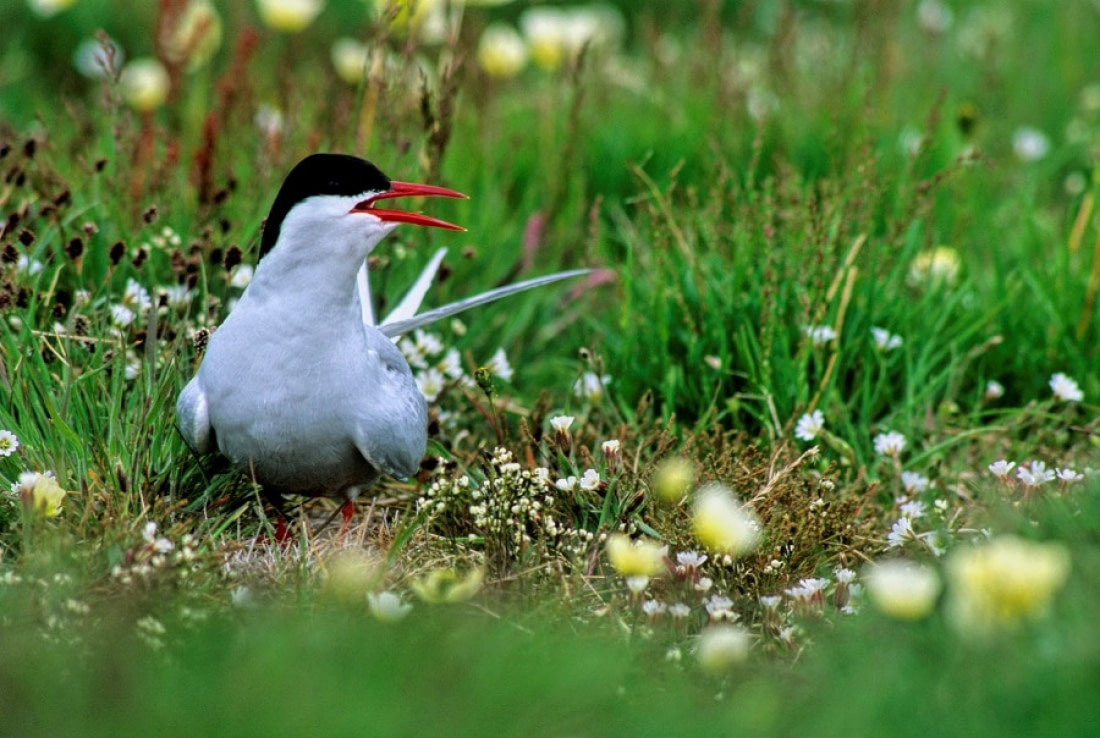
(299, 388)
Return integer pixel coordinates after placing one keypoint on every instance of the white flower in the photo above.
(884, 339)
(679, 610)
(270, 121)
(1035, 474)
(913, 509)
(431, 382)
(913, 482)
(1065, 388)
(1064, 475)
(136, 297)
(611, 448)
(9, 443)
(561, 423)
(845, 576)
(691, 559)
(722, 647)
(47, 8)
(242, 275)
(934, 267)
(498, 365)
(819, 335)
(28, 266)
(1002, 468)
(809, 426)
(568, 484)
(177, 295)
(590, 480)
(122, 316)
(890, 443)
(770, 602)
(653, 608)
(1030, 144)
(637, 583)
(387, 606)
(901, 532)
(590, 386)
(451, 364)
(718, 607)
(994, 390)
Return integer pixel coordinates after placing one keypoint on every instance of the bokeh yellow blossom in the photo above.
(289, 16)
(501, 51)
(446, 586)
(935, 267)
(722, 647)
(673, 478)
(196, 35)
(641, 558)
(144, 84)
(722, 523)
(40, 492)
(997, 585)
(903, 589)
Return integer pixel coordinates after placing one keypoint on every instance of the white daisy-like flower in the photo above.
(1035, 474)
(819, 335)
(679, 610)
(719, 606)
(28, 266)
(9, 443)
(1002, 468)
(913, 509)
(890, 443)
(809, 426)
(590, 386)
(561, 423)
(387, 606)
(430, 382)
(1065, 388)
(498, 365)
(121, 315)
(567, 484)
(654, 608)
(611, 448)
(637, 583)
(590, 480)
(241, 276)
(770, 602)
(994, 390)
(691, 559)
(1069, 475)
(845, 576)
(451, 364)
(901, 532)
(884, 339)
(913, 482)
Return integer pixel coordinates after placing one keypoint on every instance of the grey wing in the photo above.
(193, 418)
(395, 440)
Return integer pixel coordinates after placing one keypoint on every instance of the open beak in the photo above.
(408, 189)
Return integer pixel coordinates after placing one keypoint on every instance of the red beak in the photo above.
(408, 189)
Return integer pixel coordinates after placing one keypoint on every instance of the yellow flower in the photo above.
(350, 58)
(997, 585)
(40, 492)
(406, 15)
(349, 575)
(641, 558)
(445, 586)
(722, 647)
(902, 589)
(144, 84)
(673, 478)
(939, 266)
(289, 16)
(196, 35)
(501, 51)
(722, 523)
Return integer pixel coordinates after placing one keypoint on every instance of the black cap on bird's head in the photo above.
(347, 176)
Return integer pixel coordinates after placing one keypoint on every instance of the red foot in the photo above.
(348, 511)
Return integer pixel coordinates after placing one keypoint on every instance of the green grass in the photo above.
(719, 233)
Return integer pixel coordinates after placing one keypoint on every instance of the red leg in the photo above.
(282, 531)
(348, 510)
